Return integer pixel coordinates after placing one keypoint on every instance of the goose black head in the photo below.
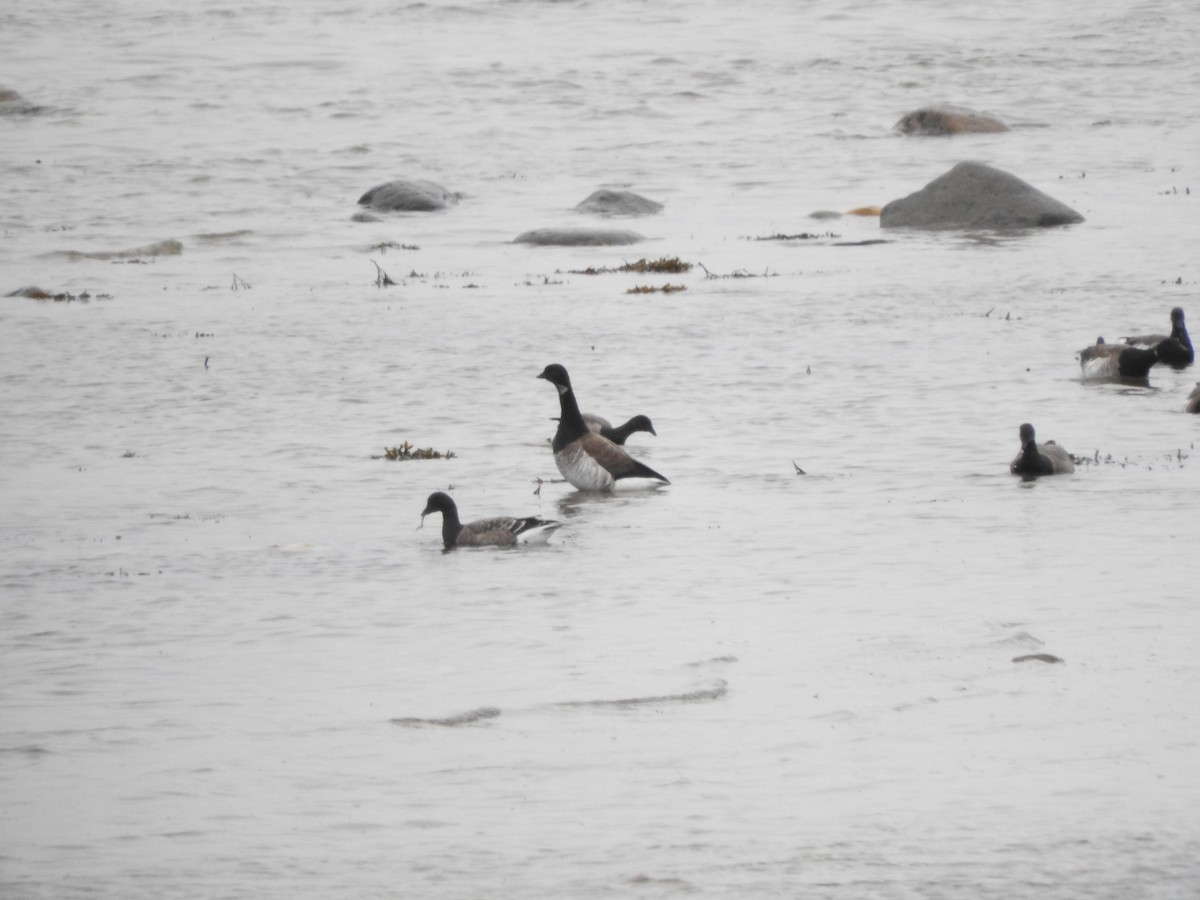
(438, 502)
(557, 376)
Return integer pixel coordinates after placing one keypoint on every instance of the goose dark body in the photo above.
(588, 460)
(499, 531)
(1036, 460)
(1103, 360)
(1177, 347)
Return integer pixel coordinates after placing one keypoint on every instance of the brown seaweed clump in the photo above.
(650, 289)
(408, 451)
(667, 265)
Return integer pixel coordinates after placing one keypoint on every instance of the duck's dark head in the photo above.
(1177, 316)
(642, 423)
(439, 502)
(1027, 434)
(557, 376)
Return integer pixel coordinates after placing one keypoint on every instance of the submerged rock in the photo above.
(13, 104)
(408, 196)
(940, 121)
(578, 237)
(618, 203)
(974, 195)
(168, 247)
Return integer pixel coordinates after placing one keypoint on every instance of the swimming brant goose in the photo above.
(1037, 459)
(587, 459)
(1103, 360)
(1193, 401)
(620, 433)
(1178, 355)
(500, 531)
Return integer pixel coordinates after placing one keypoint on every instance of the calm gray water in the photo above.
(232, 665)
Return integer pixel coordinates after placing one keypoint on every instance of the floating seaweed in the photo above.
(672, 265)
(802, 236)
(385, 246)
(738, 273)
(650, 289)
(408, 451)
(36, 293)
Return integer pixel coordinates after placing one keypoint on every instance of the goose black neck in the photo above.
(450, 528)
(571, 426)
(1032, 462)
(1179, 332)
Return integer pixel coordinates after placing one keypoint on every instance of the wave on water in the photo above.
(467, 718)
(160, 248)
(705, 695)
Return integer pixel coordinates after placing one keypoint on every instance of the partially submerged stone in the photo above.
(939, 121)
(578, 237)
(974, 195)
(605, 202)
(13, 104)
(408, 196)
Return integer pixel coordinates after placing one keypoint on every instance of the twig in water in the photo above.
(382, 279)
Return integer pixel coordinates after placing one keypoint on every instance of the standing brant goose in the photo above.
(501, 531)
(1037, 459)
(1103, 360)
(620, 433)
(587, 459)
(1178, 352)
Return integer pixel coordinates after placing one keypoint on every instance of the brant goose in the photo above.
(621, 433)
(1103, 360)
(1178, 345)
(1040, 459)
(501, 531)
(590, 461)
(1193, 401)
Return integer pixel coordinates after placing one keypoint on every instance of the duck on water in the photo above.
(618, 434)
(1177, 346)
(1125, 361)
(1036, 459)
(587, 459)
(499, 531)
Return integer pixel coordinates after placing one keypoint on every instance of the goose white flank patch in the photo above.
(587, 459)
(1178, 352)
(1103, 360)
(1036, 459)
(500, 531)
(618, 434)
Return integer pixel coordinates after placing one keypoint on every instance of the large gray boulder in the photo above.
(939, 121)
(578, 237)
(408, 196)
(973, 195)
(605, 202)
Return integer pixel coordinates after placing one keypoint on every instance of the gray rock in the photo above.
(973, 195)
(578, 237)
(618, 203)
(939, 121)
(408, 196)
(13, 104)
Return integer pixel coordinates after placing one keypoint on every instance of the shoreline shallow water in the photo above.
(234, 665)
